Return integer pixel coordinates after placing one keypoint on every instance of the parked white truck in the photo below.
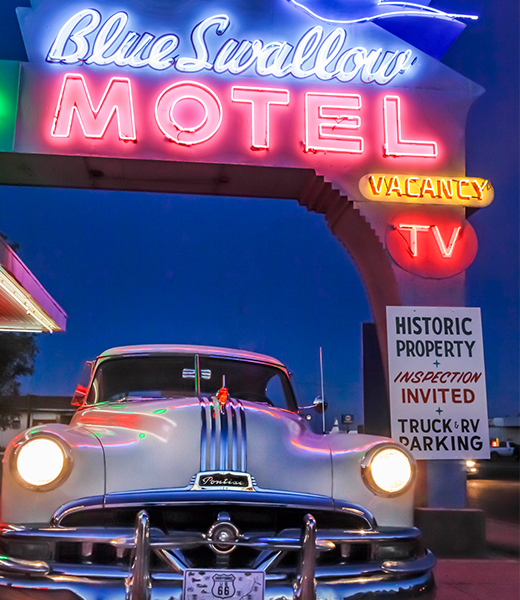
(504, 450)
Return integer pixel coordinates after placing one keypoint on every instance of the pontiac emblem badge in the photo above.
(223, 480)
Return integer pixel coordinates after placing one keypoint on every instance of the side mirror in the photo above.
(319, 405)
(80, 395)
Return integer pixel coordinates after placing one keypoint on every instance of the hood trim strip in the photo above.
(223, 438)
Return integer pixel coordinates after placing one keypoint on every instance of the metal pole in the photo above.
(322, 390)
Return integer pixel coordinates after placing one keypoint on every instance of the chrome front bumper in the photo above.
(376, 579)
(93, 588)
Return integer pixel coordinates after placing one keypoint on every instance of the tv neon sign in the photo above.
(446, 251)
(190, 113)
(423, 189)
(432, 242)
(87, 39)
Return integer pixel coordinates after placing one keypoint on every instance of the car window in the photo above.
(275, 392)
(143, 377)
(244, 380)
(148, 377)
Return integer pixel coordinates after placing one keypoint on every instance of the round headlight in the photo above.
(40, 461)
(388, 470)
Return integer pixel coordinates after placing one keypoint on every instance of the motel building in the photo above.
(350, 113)
(26, 307)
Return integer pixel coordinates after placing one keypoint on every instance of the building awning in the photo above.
(25, 305)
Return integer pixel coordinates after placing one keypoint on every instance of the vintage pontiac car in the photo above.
(190, 473)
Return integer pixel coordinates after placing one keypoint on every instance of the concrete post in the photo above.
(361, 228)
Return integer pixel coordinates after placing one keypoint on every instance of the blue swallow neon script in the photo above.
(89, 40)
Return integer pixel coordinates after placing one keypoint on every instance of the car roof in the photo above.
(187, 349)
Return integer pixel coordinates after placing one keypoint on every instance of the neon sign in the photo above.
(326, 123)
(395, 145)
(9, 85)
(75, 100)
(186, 93)
(261, 100)
(446, 251)
(86, 39)
(270, 84)
(433, 243)
(189, 113)
(422, 189)
(413, 231)
(383, 9)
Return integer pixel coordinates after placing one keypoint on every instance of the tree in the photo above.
(17, 354)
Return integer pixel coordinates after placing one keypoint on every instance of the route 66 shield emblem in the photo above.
(223, 585)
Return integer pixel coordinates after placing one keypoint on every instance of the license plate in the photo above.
(213, 584)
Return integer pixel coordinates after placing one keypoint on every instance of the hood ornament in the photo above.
(223, 394)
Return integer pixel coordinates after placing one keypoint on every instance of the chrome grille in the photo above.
(199, 516)
(179, 537)
(265, 520)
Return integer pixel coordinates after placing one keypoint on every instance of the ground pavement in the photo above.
(496, 577)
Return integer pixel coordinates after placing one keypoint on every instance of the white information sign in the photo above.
(437, 381)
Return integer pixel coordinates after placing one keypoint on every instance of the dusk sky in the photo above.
(264, 275)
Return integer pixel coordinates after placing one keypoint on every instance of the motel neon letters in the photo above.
(75, 101)
(190, 113)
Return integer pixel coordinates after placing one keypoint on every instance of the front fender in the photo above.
(347, 454)
(21, 504)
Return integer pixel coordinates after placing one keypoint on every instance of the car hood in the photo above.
(142, 449)
(158, 444)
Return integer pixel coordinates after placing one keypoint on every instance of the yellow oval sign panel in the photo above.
(422, 189)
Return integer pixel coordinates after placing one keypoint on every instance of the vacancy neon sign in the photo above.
(189, 113)
(425, 189)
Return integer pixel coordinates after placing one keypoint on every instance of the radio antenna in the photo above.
(322, 391)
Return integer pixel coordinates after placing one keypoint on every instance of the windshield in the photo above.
(151, 377)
